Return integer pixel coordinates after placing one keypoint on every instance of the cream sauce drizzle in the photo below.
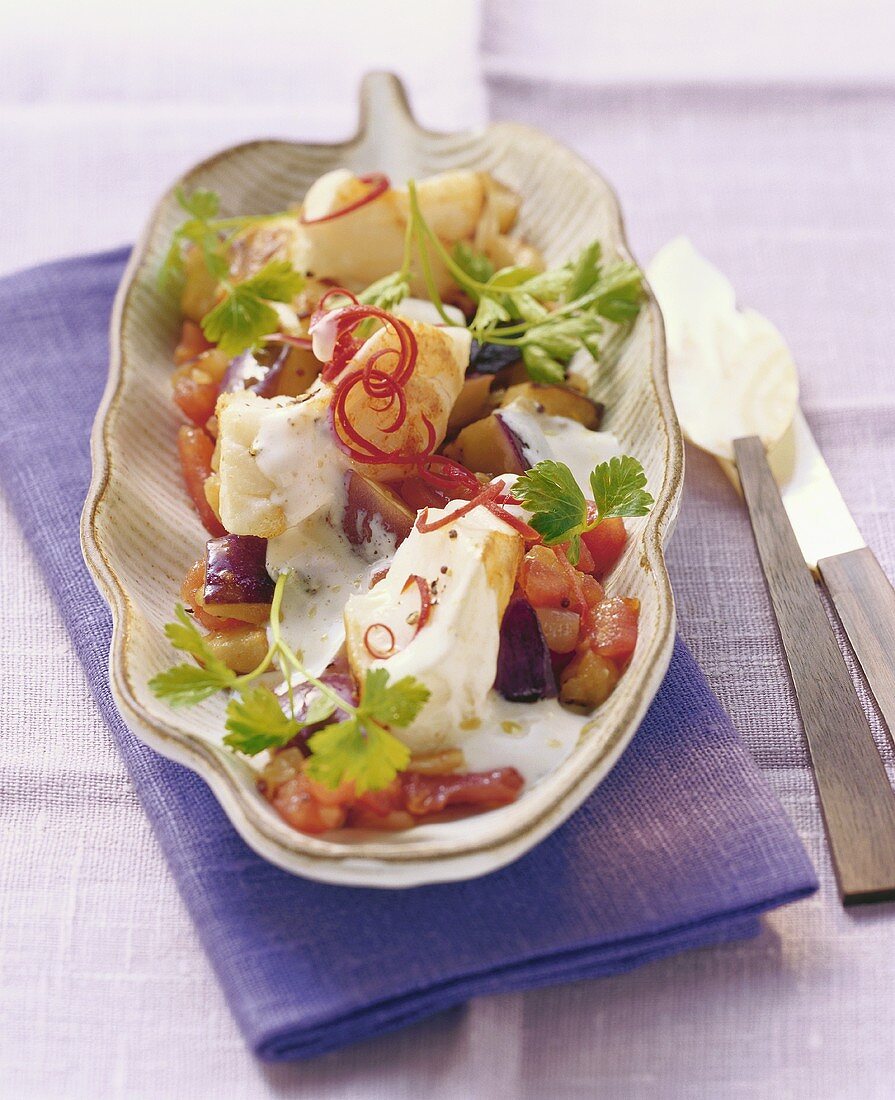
(308, 471)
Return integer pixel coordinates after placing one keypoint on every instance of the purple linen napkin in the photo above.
(683, 845)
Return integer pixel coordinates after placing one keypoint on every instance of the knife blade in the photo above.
(819, 516)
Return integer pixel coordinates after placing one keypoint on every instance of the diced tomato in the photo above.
(560, 628)
(298, 804)
(606, 543)
(585, 563)
(612, 629)
(593, 591)
(383, 802)
(195, 447)
(343, 795)
(195, 392)
(429, 794)
(544, 579)
(393, 821)
(192, 343)
(313, 808)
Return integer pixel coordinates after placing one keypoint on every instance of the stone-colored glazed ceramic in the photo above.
(140, 534)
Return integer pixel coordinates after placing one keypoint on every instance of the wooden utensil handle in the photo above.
(856, 800)
(865, 602)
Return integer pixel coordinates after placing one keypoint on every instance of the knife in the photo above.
(833, 546)
(732, 376)
(835, 551)
(856, 798)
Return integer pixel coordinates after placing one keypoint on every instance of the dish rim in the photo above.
(380, 864)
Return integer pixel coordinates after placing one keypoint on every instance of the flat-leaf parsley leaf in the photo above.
(619, 488)
(256, 721)
(243, 317)
(185, 685)
(559, 510)
(361, 748)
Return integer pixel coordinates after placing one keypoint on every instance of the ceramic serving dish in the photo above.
(140, 533)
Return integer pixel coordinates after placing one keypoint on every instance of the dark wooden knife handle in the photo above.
(865, 602)
(856, 799)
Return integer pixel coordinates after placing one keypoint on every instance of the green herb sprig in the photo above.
(243, 317)
(359, 748)
(559, 509)
(547, 315)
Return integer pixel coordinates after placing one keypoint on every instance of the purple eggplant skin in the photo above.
(342, 683)
(267, 386)
(244, 372)
(491, 358)
(236, 571)
(524, 669)
(517, 444)
(256, 372)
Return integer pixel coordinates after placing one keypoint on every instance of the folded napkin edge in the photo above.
(104, 255)
(585, 962)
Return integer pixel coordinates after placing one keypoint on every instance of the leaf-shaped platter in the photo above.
(140, 533)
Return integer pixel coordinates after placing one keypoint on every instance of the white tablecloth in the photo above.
(104, 990)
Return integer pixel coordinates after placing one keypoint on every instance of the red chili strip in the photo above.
(347, 318)
(350, 440)
(425, 598)
(335, 292)
(527, 532)
(302, 342)
(380, 385)
(386, 386)
(454, 479)
(379, 654)
(423, 525)
(378, 184)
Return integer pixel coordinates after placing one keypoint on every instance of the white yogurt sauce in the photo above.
(557, 437)
(325, 571)
(455, 653)
(298, 454)
(534, 738)
(295, 449)
(323, 336)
